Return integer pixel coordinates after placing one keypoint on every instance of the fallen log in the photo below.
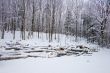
(15, 48)
(10, 58)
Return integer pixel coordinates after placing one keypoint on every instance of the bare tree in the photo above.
(3, 18)
(22, 14)
(33, 18)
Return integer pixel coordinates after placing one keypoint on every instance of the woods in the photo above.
(87, 19)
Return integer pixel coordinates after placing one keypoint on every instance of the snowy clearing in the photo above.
(54, 36)
(52, 57)
(41, 47)
(97, 63)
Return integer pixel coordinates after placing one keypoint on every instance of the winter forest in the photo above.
(74, 30)
(79, 18)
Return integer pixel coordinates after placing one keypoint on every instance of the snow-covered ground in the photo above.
(17, 48)
(97, 63)
(46, 53)
(61, 40)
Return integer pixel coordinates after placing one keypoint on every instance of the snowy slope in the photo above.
(39, 47)
(98, 62)
(61, 41)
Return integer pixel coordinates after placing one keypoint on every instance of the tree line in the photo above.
(88, 19)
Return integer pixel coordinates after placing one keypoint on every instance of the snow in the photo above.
(48, 62)
(22, 48)
(42, 41)
(97, 63)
